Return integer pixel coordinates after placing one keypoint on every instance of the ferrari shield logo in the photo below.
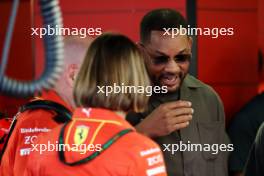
(80, 134)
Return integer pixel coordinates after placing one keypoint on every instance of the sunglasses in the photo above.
(180, 58)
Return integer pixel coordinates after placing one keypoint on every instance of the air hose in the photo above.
(53, 46)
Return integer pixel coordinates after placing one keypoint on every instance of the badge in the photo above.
(81, 134)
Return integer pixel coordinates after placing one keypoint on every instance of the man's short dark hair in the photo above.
(158, 19)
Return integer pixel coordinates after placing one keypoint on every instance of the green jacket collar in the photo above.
(191, 82)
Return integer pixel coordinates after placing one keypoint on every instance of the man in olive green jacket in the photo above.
(188, 122)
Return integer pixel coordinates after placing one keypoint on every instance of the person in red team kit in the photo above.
(99, 141)
(36, 118)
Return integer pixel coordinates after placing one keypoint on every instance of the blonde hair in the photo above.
(112, 58)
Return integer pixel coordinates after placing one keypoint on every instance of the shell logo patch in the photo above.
(80, 134)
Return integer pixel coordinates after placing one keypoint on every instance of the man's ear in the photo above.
(190, 41)
(144, 52)
(71, 74)
(141, 47)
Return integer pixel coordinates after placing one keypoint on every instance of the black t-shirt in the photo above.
(255, 163)
(242, 132)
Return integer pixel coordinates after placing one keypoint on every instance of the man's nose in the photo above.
(172, 66)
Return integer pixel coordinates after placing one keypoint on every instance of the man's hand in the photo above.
(166, 118)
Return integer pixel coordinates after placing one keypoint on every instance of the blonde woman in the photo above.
(98, 141)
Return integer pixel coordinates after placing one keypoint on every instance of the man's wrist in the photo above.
(143, 130)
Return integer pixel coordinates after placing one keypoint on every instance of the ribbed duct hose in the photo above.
(53, 46)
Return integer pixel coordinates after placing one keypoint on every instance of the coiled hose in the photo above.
(53, 46)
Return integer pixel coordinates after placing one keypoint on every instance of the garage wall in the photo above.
(115, 15)
(230, 64)
(20, 63)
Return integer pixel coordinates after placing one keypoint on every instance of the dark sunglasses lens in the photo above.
(183, 58)
(160, 60)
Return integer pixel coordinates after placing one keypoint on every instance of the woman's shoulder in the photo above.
(140, 141)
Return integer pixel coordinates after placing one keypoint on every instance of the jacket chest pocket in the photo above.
(211, 135)
(212, 138)
(205, 158)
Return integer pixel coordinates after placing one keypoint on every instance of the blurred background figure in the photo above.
(244, 125)
(255, 163)
(242, 131)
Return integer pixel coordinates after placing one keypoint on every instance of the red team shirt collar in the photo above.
(100, 113)
(53, 96)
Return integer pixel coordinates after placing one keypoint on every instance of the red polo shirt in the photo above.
(29, 125)
(4, 128)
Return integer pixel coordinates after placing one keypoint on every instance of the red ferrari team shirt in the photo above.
(4, 129)
(29, 125)
(97, 142)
